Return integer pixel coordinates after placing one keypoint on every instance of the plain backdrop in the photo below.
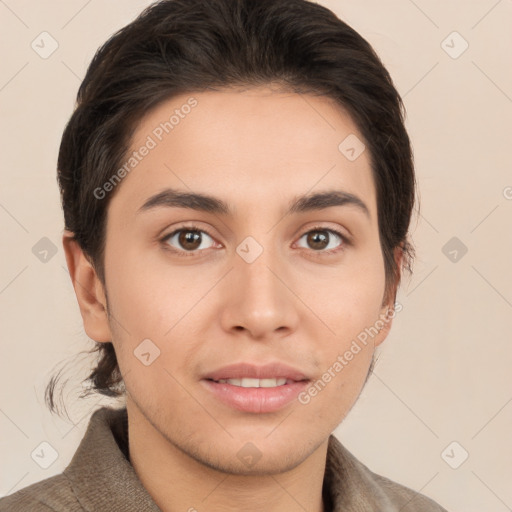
(437, 413)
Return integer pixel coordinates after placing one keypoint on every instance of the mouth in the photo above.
(253, 388)
(256, 396)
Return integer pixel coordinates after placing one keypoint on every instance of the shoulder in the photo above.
(402, 497)
(355, 487)
(53, 494)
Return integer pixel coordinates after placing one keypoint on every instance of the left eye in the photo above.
(320, 239)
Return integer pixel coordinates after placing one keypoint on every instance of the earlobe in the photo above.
(88, 290)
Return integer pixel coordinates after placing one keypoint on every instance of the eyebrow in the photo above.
(172, 198)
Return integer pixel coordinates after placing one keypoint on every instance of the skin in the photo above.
(256, 149)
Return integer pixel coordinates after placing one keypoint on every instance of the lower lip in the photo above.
(259, 400)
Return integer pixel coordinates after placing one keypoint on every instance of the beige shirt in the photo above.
(101, 478)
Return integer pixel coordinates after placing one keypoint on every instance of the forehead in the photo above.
(252, 147)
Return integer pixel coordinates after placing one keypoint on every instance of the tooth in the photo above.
(255, 383)
(269, 383)
(250, 383)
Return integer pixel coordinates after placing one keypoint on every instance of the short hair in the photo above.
(181, 46)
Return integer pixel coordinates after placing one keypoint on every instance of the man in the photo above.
(237, 186)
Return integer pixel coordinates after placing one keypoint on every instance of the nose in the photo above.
(259, 298)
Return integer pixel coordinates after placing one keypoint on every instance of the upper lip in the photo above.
(249, 370)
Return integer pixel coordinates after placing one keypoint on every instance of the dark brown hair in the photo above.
(180, 46)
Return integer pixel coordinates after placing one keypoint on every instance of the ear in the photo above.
(88, 290)
(387, 312)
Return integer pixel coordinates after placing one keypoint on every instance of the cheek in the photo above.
(351, 309)
(138, 286)
(350, 297)
(153, 300)
(350, 304)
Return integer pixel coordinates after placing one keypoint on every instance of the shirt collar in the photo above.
(101, 476)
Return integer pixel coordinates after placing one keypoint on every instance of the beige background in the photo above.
(444, 372)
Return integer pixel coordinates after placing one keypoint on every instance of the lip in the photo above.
(249, 370)
(255, 400)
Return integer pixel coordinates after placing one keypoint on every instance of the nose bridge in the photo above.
(253, 269)
(257, 275)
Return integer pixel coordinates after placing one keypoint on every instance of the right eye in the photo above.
(190, 240)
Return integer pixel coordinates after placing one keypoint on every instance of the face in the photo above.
(259, 278)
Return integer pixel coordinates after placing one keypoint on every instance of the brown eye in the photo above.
(320, 239)
(317, 239)
(188, 239)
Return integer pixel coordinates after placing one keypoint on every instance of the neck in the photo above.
(177, 480)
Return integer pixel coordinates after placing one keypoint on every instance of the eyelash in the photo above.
(345, 241)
